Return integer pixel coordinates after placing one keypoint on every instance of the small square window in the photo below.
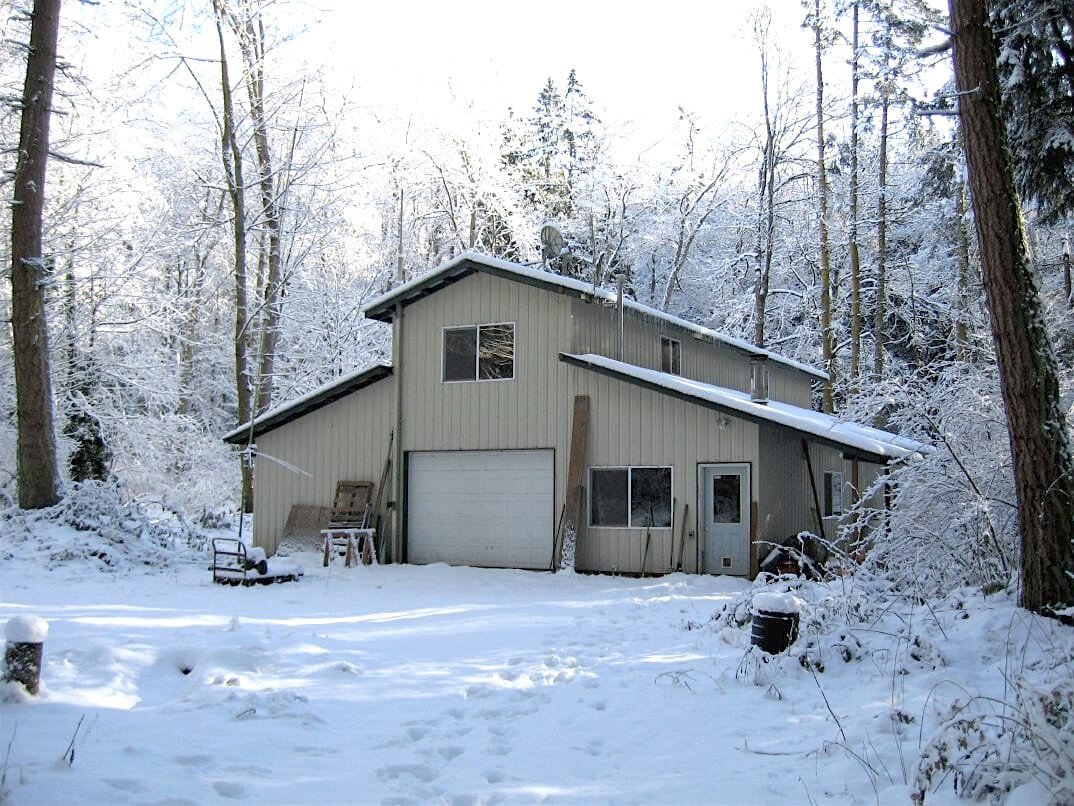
(833, 493)
(479, 353)
(670, 356)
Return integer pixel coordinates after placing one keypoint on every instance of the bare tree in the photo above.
(38, 474)
(827, 339)
(855, 257)
(1029, 378)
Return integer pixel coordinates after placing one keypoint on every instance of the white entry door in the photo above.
(724, 496)
(493, 509)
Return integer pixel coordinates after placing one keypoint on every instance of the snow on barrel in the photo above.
(22, 655)
(775, 621)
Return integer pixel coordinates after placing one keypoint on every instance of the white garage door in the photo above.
(486, 508)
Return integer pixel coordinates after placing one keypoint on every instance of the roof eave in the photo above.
(848, 451)
(382, 309)
(287, 414)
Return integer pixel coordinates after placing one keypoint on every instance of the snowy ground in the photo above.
(405, 684)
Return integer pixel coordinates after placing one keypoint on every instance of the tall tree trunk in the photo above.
(251, 36)
(881, 309)
(826, 338)
(962, 328)
(766, 205)
(231, 155)
(1040, 445)
(1068, 288)
(38, 474)
(855, 258)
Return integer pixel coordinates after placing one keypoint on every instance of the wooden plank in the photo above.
(575, 475)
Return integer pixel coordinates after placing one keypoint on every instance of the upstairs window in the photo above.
(670, 356)
(479, 353)
(833, 494)
(630, 496)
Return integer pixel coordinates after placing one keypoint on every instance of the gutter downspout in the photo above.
(397, 360)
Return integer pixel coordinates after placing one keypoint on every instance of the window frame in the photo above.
(675, 358)
(833, 493)
(629, 478)
(477, 352)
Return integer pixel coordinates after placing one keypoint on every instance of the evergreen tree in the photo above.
(1036, 67)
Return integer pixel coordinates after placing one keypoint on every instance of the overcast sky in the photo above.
(638, 62)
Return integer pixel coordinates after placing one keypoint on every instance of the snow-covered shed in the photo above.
(698, 448)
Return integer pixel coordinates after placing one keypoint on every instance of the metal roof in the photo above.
(381, 308)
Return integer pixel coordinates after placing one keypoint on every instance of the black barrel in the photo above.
(773, 632)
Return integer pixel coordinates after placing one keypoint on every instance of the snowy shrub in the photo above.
(952, 520)
(100, 524)
(988, 747)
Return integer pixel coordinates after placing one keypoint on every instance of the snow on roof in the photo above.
(867, 439)
(589, 289)
(321, 396)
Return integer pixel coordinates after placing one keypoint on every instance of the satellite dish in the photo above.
(551, 242)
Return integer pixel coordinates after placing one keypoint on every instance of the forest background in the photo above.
(211, 235)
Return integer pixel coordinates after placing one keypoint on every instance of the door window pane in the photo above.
(650, 496)
(726, 499)
(460, 351)
(496, 358)
(608, 496)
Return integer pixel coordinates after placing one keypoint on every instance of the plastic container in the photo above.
(775, 621)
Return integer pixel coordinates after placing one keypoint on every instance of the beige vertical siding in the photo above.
(344, 441)
(787, 505)
(531, 410)
(524, 412)
(633, 426)
(596, 330)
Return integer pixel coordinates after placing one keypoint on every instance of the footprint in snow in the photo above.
(494, 776)
(449, 753)
(316, 752)
(125, 784)
(416, 732)
(229, 789)
(193, 761)
(417, 771)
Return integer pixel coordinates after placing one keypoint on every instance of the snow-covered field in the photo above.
(409, 684)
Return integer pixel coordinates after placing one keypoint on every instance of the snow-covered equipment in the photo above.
(22, 653)
(775, 621)
(349, 533)
(803, 554)
(235, 563)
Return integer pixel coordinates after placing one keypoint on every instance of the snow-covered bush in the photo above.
(953, 517)
(988, 747)
(100, 524)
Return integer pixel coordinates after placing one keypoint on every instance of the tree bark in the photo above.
(38, 474)
(826, 340)
(250, 32)
(880, 311)
(231, 156)
(855, 259)
(766, 203)
(962, 327)
(1040, 445)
